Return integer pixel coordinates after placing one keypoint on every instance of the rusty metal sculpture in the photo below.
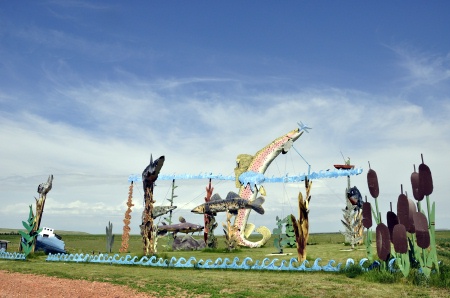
(148, 230)
(210, 222)
(301, 226)
(352, 222)
(126, 221)
(43, 189)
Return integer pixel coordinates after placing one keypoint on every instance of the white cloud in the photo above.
(91, 163)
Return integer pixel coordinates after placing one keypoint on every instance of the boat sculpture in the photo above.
(49, 242)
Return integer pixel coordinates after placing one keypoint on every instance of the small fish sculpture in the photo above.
(182, 227)
(161, 210)
(232, 203)
(354, 196)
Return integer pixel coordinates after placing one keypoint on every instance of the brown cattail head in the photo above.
(405, 211)
(400, 239)
(392, 221)
(422, 234)
(415, 186)
(372, 183)
(367, 215)
(412, 210)
(425, 179)
(383, 242)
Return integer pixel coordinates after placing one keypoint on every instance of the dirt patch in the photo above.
(30, 285)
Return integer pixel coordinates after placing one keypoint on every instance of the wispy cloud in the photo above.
(424, 68)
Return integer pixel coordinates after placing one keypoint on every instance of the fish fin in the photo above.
(216, 197)
(257, 205)
(248, 229)
(262, 190)
(232, 195)
(181, 219)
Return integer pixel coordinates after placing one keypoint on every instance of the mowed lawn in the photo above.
(172, 282)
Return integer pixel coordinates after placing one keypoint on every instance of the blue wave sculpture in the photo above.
(236, 264)
(12, 256)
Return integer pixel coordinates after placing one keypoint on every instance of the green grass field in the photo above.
(174, 282)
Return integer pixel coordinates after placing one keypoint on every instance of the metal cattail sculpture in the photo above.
(416, 186)
(392, 221)
(410, 232)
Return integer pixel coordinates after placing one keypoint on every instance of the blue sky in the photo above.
(89, 90)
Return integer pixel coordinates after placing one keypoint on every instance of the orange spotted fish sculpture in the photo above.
(255, 166)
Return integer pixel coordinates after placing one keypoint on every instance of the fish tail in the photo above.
(257, 205)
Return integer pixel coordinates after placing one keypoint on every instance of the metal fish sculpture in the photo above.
(354, 196)
(161, 210)
(259, 163)
(45, 187)
(151, 172)
(232, 203)
(182, 227)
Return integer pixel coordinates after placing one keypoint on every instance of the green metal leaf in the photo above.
(30, 216)
(27, 226)
(27, 249)
(25, 236)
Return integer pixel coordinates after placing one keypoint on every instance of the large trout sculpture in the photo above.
(258, 164)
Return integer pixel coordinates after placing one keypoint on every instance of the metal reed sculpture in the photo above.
(28, 243)
(301, 226)
(126, 221)
(210, 222)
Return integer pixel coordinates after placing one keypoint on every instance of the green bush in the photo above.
(353, 271)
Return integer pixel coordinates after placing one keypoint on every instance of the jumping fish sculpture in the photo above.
(232, 203)
(258, 164)
(182, 227)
